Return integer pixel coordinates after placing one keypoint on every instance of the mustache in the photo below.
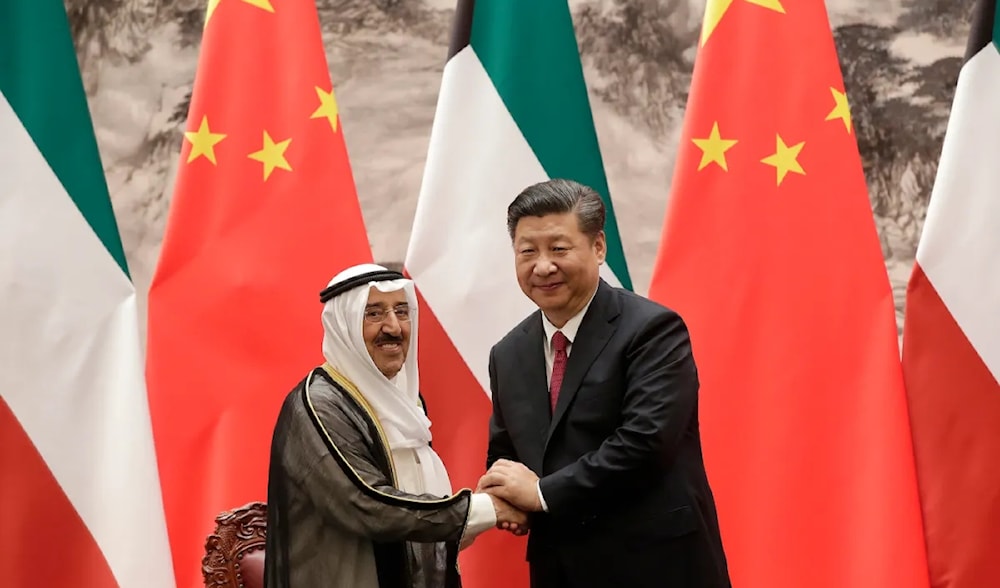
(387, 338)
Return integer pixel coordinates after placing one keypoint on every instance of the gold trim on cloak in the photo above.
(356, 394)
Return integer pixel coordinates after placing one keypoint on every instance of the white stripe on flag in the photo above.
(959, 249)
(459, 254)
(74, 375)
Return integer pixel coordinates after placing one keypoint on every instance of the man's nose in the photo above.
(544, 266)
(391, 324)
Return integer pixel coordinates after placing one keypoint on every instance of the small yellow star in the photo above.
(713, 149)
(716, 9)
(272, 155)
(784, 159)
(841, 109)
(203, 142)
(327, 107)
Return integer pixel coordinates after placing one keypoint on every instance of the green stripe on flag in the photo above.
(996, 26)
(529, 50)
(40, 78)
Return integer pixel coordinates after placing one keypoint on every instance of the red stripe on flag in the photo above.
(43, 541)
(955, 414)
(460, 412)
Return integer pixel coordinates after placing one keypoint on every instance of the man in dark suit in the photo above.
(595, 415)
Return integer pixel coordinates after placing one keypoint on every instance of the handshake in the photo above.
(514, 490)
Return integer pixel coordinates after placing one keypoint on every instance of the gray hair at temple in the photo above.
(559, 196)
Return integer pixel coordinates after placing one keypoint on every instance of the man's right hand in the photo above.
(509, 517)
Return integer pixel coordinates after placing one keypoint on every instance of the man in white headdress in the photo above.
(357, 498)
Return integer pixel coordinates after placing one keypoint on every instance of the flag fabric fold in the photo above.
(770, 254)
(951, 331)
(513, 110)
(264, 212)
(80, 490)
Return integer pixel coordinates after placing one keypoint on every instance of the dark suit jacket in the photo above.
(620, 461)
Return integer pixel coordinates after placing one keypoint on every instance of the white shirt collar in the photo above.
(569, 329)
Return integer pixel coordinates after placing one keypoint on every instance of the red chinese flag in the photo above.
(770, 254)
(264, 213)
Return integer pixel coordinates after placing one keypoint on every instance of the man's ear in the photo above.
(601, 247)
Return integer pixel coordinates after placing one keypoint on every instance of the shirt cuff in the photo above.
(482, 515)
(541, 499)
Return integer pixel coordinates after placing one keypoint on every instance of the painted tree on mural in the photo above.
(643, 51)
(900, 110)
(942, 18)
(872, 74)
(113, 29)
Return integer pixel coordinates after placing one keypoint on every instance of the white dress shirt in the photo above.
(569, 330)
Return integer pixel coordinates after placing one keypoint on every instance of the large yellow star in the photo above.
(713, 148)
(784, 159)
(272, 155)
(203, 142)
(716, 9)
(266, 4)
(213, 4)
(841, 109)
(327, 107)
(774, 5)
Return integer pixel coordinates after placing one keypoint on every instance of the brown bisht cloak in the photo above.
(335, 516)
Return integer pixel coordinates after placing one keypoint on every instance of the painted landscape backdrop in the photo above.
(900, 60)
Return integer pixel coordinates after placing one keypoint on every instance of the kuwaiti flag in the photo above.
(79, 493)
(513, 110)
(951, 334)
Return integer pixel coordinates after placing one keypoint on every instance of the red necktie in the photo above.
(559, 343)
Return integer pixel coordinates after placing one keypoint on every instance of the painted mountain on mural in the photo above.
(900, 60)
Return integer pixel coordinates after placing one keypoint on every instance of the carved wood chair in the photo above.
(234, 553)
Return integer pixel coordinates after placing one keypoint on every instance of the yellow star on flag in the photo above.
(272, 155)
(213, 4)
(327, 107)
(774, 5)
(716, 9)
(841, 109)
(263, 4)
(713, 148)
(203, 142)
(784, 159)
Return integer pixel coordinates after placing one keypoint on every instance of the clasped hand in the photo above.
(514, 489)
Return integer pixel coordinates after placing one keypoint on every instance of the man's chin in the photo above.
(548, 304)
(390, 366)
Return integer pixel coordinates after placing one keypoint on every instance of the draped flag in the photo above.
(771, 255)
(80, 495)
(951, 333)
(264, 213)
(513, 110)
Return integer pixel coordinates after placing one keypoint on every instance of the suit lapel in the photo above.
(535, 383)
(595, 331)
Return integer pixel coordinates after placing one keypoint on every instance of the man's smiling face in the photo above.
(386, 330)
